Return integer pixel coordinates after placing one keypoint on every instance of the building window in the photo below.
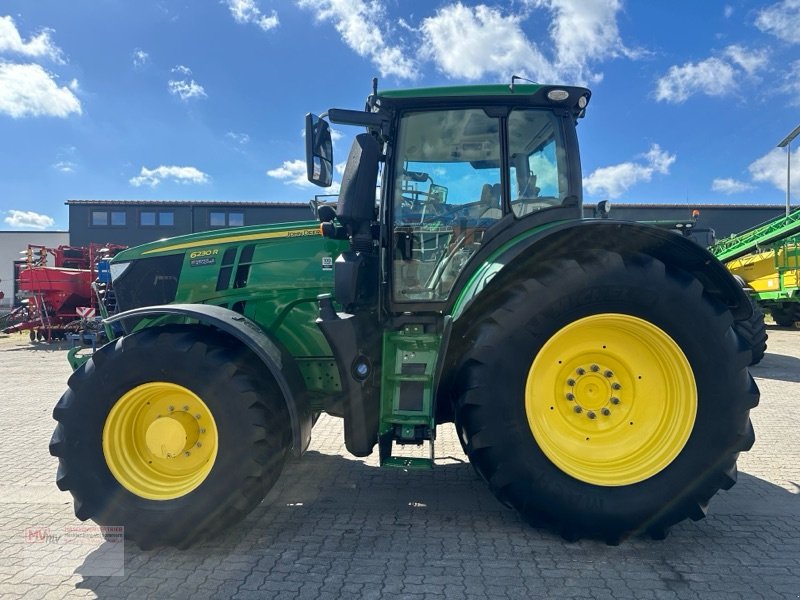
(118, 218)
(225, 219)
(99, 218)
(166, 218)
(147, 218)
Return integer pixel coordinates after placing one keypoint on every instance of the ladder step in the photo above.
(408, 463)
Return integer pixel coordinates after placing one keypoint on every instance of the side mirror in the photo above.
(319, 151)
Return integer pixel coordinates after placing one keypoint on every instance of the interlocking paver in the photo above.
(336, 527)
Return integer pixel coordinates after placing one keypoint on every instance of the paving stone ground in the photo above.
(339, 527)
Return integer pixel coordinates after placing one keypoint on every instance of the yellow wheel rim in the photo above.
(160, 441)
(611, 399)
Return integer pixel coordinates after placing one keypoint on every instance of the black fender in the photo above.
(565, 239)
(279, 363)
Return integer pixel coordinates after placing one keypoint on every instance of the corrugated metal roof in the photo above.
(206, 203)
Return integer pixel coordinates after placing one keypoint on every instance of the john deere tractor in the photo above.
(591, 367)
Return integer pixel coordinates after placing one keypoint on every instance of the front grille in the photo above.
(148, 282)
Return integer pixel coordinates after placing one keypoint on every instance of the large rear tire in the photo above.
(605, 396)
(754, 332)
(171, 432)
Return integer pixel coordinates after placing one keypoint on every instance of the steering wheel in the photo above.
(447, 214)
(413, 200)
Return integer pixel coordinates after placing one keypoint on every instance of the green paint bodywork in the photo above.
(410, 357)
(291, 265)
(492, 266)
(473, 91)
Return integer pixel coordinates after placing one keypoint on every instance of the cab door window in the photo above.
(537, 161)
(447, 193)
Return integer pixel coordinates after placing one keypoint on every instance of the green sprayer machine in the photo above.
(767, 258)
(591, 367)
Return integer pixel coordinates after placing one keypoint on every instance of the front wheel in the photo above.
(606, 396)
(171, 432)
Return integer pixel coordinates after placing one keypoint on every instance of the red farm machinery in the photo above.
(60, 290)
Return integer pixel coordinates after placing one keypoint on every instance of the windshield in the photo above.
(448, 189)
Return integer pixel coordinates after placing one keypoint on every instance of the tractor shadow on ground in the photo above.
(329, 516)
(779, 367)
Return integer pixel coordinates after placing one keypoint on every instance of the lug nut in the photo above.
(578, 409)
(197, 416)
(186, 408)
(595, 368)
(605, 412)
(570, 381)
(187, 453)
(570, 396)
(202, 430)
(614, 400)
(591, 414)
(580, 370)
(608, 374)
(199, 444)
(170, 408)
(616, 386)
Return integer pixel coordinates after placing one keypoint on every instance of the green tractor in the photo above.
(591, 367)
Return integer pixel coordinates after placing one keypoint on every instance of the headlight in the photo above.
(117, 269)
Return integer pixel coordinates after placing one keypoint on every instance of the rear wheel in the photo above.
(590, 402)
(170, 432)
(785, 317)
(754, 332)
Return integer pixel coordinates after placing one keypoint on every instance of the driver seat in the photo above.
(490, 202)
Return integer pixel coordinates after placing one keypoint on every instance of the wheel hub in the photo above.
(160, 441)
(611, 399)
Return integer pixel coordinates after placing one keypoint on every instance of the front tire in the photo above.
(606, 396)
(170, 432)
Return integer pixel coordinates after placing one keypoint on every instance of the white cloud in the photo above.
(247, 11)
(140, 58)
(617, 179)
(479, 41)
(38, 46)
(473, 42)
(584, 30)
(791, 82)
(748, 60)
(153, 177)
(186, 88)
(292, 172)
(730, 186)
(65, 166)
(727, 11)
(29, 90)
(782, 20)
(361, 24)
(712, 77)
(22, 219)
(238, 138)
(771, 168)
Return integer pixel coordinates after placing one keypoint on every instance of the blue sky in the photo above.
(204, 100)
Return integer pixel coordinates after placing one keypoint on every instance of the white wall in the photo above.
(14, 242)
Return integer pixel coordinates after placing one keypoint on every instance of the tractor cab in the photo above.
(462, 171)
(459, 167)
